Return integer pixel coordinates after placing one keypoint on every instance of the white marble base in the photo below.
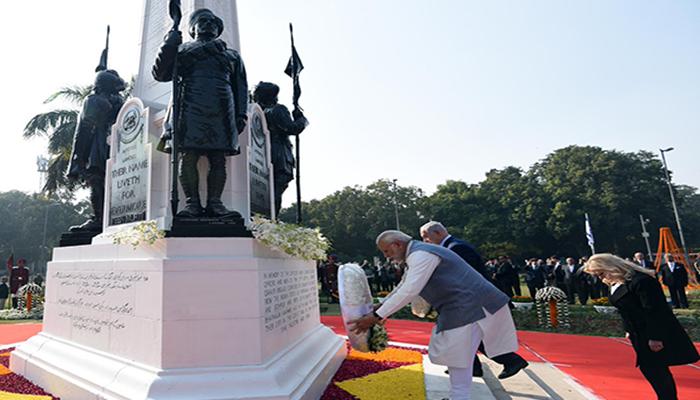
(187, 318)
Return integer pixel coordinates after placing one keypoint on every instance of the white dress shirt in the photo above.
(421, 266)
(442, 242)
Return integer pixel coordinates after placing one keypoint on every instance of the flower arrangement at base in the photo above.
(297, 241)
(603, 301)
(144, 232)
(521, 299)
(14, 313)
(30, 296)
(356, 301)
(552, 307)
(603, 306)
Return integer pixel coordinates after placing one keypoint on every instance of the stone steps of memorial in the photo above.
(539, 381)
(536, 382)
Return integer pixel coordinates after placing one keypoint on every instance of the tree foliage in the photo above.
(538, 212)
(31, 225)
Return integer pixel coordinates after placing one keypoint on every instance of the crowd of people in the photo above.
(564, 273)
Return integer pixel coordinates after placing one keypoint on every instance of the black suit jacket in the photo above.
(535, 276)
(679, 276)
(647, 316)
(469, 254)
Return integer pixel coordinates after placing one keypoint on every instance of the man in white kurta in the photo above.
(467, 304)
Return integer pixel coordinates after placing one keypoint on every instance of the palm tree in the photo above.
(59, 126)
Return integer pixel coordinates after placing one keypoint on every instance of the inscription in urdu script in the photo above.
(97, 292)
(290, 298)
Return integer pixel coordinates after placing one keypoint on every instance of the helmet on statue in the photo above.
(265, 93)
(109, 81)
(205, 12)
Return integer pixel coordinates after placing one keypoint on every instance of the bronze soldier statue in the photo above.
(212, 100)
(90, 147)
(281, 126)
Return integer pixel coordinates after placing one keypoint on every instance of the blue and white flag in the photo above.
(589, 235)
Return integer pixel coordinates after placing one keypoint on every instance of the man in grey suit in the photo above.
(470, 308)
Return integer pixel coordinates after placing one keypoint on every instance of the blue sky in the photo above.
(415, 90)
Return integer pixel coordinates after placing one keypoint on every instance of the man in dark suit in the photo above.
(435, 233)
(640, 260)
(534, 276)
(570, 281)
(505, 273)
(675, 277)
(4, 292)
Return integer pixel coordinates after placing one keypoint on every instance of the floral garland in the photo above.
(378, 338)
(14, 313)
(144, 232)
(30, 293)
(552, 308)
(603, 301)
(298, 242)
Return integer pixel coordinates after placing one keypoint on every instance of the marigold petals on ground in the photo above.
(4, 370)
(392, 354)
(352, 369)
(397, 384)
(333, 392)
(15, 396)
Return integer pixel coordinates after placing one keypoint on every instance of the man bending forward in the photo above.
(470, 308)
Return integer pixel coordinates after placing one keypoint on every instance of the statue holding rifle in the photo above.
(208, 111)
(90, 149)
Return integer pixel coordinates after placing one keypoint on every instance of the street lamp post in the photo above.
(673, 202)
(645, 235)
(46, 223)
(396, 206)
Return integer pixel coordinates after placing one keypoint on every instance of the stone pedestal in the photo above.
(186, 318)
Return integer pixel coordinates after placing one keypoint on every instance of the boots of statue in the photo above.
(216, 180)
(189, 180)
(97, 194)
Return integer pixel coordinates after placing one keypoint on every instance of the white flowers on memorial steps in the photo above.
(356, 301)
(144, 232)
(298, 242)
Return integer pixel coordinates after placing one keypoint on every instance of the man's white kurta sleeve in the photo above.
(421, 266)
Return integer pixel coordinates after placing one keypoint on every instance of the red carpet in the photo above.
(15, 333)
(603, 365)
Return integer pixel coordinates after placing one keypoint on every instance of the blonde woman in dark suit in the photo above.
(656, 335)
